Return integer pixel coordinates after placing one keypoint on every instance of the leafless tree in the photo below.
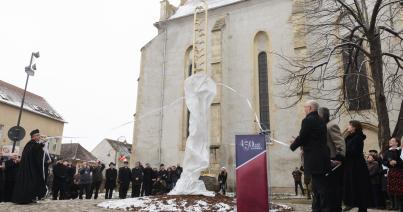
(352, 60)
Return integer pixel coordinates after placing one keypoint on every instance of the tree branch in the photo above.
(395, 57)
(391, 31)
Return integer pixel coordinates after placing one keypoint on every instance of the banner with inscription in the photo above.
(251, 173)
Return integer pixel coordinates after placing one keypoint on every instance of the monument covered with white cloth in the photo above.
(200, 91)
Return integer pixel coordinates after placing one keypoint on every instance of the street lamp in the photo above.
(30, 70)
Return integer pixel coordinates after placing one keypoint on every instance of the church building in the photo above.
(242, 38)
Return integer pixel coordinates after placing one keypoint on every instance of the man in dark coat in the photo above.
(125, 177)
(137, 180)
(96, 178)
(30, 181)
(85, 181)
(312, 139)
(10, 174)
(297, 175)
(148, 179)
(71, 170)
(337, 148)
(110, 180)
(59, 181)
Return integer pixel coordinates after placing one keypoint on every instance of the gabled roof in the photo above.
(122, 148)
(75, 151)
(189, 7)
(12, 95)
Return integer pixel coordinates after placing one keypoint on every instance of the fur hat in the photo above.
(36, 131)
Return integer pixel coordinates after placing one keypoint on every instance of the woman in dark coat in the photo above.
(356, 175)
(392, 158)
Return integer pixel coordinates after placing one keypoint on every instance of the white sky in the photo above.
(89, 63)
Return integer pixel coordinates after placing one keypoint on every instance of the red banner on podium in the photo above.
(251, 174)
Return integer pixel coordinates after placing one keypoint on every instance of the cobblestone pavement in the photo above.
(90, 206)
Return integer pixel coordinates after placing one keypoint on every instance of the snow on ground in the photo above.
(166, 203)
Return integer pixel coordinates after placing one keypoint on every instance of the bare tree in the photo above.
(353, 59)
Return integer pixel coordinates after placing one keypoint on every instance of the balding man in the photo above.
(312, 140)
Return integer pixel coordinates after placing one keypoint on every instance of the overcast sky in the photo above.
(89, 63)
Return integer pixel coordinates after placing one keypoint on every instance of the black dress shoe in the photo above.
(347, 208)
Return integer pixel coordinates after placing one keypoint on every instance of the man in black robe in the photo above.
(12, 166)
(30, 181)
(125, 177)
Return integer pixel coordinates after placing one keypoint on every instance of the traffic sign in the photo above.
(16, 133)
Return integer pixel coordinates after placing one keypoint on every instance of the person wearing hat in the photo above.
(110, 180)
(125, 176)
(30, 183)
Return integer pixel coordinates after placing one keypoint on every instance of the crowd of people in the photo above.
(85, 180)
(34, 175)
(336, 170)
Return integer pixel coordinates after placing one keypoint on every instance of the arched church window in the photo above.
(356, 91)
(263, 91)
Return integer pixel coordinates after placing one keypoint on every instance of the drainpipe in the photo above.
(163, 92)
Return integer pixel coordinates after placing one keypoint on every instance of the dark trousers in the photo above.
(299, 183)
(147, 188)
(58, 190)
(136, 189)
(108, 192)
(8, 191)
(320, 192)
(123, 190)
(95, 189)
(223, 187)
(87, 188)
(336, 192)
(376, 195)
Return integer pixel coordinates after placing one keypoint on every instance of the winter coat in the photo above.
(356, 174)
(297, 175)
(137, 176)
(85, 176)
(59, 173)
(335, 142)
(373, 169)
(110, 178)
(97, 173)
(125, 175)
(148, 176)
(222, 178)
(313, 140)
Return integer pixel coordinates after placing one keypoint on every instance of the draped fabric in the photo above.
(200, 91)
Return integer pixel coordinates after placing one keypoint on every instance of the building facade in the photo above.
(109, 150)
(242, 36)
(37, 114)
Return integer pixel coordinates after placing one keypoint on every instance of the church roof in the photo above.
(189, 7)
(122, 148)
(12, 95)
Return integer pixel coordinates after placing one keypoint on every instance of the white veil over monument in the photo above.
(200, 91)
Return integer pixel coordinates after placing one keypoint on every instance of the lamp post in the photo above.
(30, 70)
